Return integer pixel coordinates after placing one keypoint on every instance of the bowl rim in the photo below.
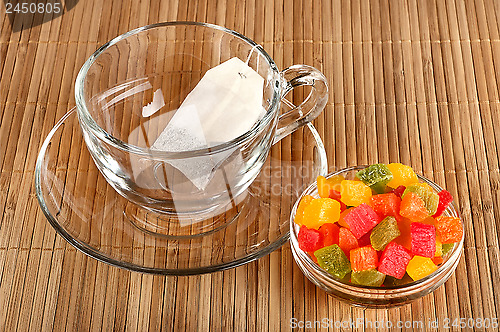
(87, 121)
(453, 255)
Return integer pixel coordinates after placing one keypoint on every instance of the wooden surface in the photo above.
(410, 81)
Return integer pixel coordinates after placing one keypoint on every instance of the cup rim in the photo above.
(453, 255)
(87, 121)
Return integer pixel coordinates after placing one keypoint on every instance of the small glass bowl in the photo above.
(366, 296)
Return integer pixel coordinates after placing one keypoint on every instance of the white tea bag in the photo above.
(226, 103)
(154, 106)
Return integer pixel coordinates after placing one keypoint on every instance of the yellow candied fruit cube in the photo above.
(299, 214)
(325, 185)
(354, 193)
(402, 175)
(321, 211)
(439, 247)
(420, 267)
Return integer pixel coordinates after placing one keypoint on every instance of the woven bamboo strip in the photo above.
(409, 81)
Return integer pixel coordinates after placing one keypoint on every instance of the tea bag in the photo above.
(226, 103)
(154, 106)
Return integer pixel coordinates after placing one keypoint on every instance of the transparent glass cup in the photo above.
(125, 74)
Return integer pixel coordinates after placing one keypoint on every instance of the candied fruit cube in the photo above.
(365, 240)
(363, 258)
(334, 194)
(447, 247)
(361, 220)
(368, 278)
(413, 208)
(394, 260)
(450, 229)
(325, 186)
(420, 267)
(386, 231)
(428, 196)
(439, 247)
(344, 213)
(445, 199)
(347, 241)
(299, 215)
(354, 193)
(405, 238)
(399, 191)
(321, 211)
(333, 260)
(376, 177)
(437, 260)
(386, 205)
(391, 281)
(309, 239)
(402, 175)
(423, 239)
(330, 233)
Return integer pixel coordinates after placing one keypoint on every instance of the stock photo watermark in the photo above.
(446, 323)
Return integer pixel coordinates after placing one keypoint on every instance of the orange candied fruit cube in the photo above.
(363, 258)
(413, 207)
(321, 211)
(354, 193)
(299, 214)
(347, 241)
(405, 238)
(325, 186)
(437, 260)
(402, 175)
(450, 229)
(344, 213)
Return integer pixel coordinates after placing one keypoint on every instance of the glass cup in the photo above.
(160, 64)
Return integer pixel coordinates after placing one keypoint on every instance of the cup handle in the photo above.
(310, 108)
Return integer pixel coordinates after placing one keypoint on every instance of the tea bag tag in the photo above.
(225, 104)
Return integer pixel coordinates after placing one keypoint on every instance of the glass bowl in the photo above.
(400, 293)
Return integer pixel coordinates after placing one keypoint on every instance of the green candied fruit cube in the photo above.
(447, 247)
(386, 231)
(333, 260)
(368, 278)
(376, 177)
(391, 281)
(430, 198)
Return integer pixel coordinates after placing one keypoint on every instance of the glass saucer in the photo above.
(94, 218)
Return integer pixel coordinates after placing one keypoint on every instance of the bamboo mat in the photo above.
(410, 81)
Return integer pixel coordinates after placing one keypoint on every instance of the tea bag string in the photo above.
(248, 59)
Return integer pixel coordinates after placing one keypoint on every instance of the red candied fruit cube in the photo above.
(309, 240)
(347, 240)
(399, 191)
(386, 205)
(365, 240)
(364, 258)
(445, 199)
(394, 260)
(334, 194)
(330, 233)
(423, 239)
(361, 220)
